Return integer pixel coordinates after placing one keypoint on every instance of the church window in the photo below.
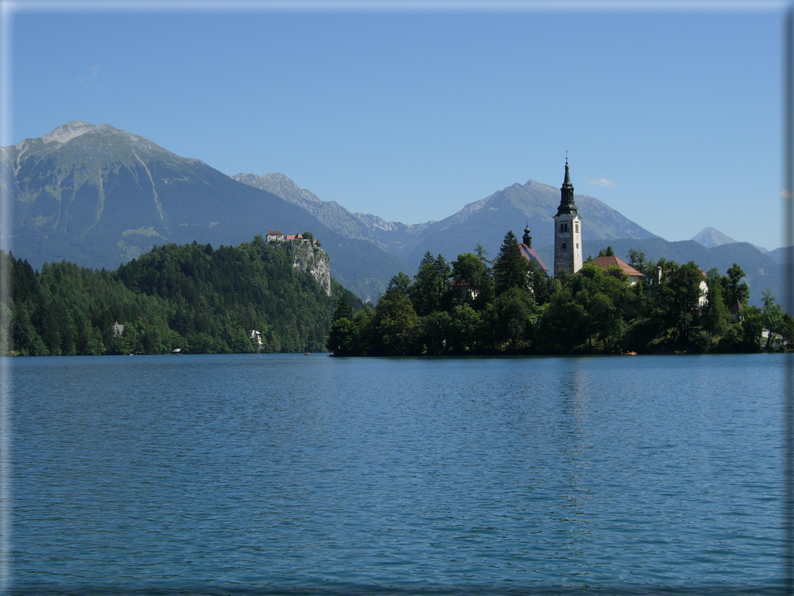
(576, 227)
(564, 246)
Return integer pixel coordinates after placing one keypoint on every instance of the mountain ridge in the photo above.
(99, 196)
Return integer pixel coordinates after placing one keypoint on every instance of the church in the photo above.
(567, 233)
(567, 230)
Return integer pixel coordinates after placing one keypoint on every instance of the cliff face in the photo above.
(313, 259)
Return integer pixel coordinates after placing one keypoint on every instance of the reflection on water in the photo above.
(284, 473)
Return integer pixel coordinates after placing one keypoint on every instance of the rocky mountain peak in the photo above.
(710, 237)
(66, 132)
(280, 185)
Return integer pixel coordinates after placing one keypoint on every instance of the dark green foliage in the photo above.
(772, 318)
(430, 285)
(513, 316)
(715, 315)
(510, 268)
(736, 291)
(606, 252)
(472, 282)
(399, 283)
(395, 325)
(638, 261)
(595, 310)
(342, 338)
(191, 297)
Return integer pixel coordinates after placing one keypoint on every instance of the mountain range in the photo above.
(99, 196)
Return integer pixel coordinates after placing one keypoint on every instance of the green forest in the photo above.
(192, 297)
(509, 305)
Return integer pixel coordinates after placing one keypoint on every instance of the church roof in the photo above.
(607, 262)
(529, 253)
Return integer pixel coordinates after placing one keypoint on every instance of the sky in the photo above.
(670, 113)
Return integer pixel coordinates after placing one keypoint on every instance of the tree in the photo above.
(342, 337)
(538, 282)
(471, 278)
(400, 283)
(606, 252)
(510, 268)
(435, 332)
(395, 325)
(564, 323)
(430, 284)
(514, 315)
(772, 318)
(638, 261)
(603, 295)
(735, 290)
(676, 301)
(343, 309)
(715, 316)
(464, 328)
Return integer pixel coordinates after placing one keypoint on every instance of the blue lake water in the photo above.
(291, 474)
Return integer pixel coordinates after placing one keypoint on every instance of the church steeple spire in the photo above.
(567, 230)
(527, 236)
(566, 194)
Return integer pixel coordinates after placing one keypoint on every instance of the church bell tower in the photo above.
(567, 230)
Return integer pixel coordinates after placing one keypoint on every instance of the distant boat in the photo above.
(307, 353)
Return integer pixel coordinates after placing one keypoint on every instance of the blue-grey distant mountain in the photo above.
(395, 238)
(780, 255)
(482, 222)
(99, 196)
(488, 220)
(710, 237)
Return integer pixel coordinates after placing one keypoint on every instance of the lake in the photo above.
(289, 474)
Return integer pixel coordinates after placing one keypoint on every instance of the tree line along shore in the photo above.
(509, 305)
(250, 298)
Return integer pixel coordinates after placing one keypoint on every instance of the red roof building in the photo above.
(607, 262)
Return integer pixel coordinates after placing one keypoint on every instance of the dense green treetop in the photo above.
(514, 307)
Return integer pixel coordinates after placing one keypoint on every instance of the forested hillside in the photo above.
(192, 297)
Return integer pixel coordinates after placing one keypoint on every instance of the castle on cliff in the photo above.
(306, 255)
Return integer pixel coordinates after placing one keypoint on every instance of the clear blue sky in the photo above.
(673, 117)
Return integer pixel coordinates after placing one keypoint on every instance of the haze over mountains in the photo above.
(99, 196)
